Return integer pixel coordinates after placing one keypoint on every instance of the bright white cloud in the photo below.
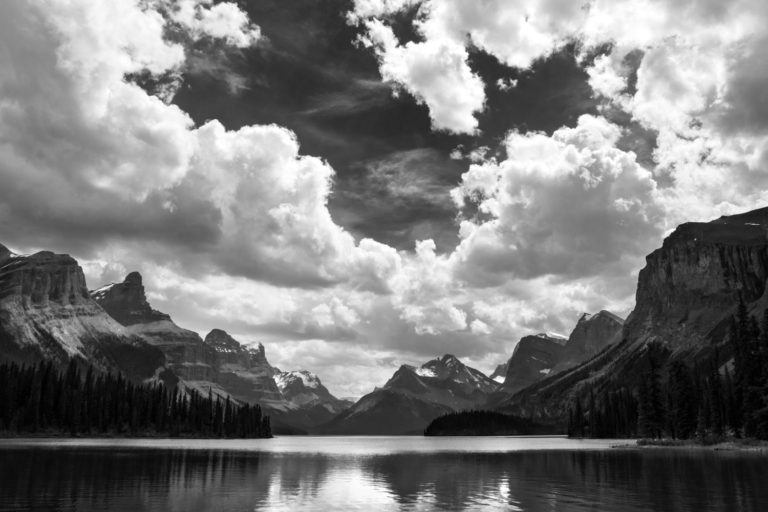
(231, 227)
(425, 292)
(222, 20)
(100, 153)
(435, 72)
(570, 204)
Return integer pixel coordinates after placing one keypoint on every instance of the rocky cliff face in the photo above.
(686, 295)
(591, 335)
(184, 350)
(219, 364)
(500, 373)
(693, 282)
(47, 313)
(127, 303)
(537, 357)
(413, 397)
(533, 359)
(241, 371)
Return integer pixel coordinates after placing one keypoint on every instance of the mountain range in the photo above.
(685, 298)
(687, 294)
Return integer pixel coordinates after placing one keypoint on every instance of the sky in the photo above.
(360, 184)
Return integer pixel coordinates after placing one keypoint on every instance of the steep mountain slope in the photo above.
(219, 364)
(243, 372)
(591, 335)
(685, 298)
(47, 313)
(184, 350)
(413, 397)
(500, 373)
(533, 358)
(311, 402)
(536, 357)
(386, 412)
(304, 388)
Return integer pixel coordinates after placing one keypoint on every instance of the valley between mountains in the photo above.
(686, 295)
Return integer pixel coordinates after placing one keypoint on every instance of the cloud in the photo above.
(223, 20)
(231, 227)
(424, 293)
(570, 205)
(435, 72)
(88, 156)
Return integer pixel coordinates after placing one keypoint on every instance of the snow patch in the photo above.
(426, 372)
(308, 379)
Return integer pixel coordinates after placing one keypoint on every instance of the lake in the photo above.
(374, 473)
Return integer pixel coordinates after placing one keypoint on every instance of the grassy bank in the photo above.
(731, 444)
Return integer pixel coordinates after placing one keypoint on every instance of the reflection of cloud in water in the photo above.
(117, 479)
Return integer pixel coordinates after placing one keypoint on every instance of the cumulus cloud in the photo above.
(425, 292)
(562, 227)
(570, 204)
(88, 155)
(700, 75)
(435, 72)
(222, 20)
(232, 228)
(574, 205)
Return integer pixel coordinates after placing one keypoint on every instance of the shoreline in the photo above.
(731, 445)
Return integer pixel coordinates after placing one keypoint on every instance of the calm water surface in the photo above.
(374, 473)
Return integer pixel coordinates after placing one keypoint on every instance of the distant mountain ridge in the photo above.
(220, 363)
(537, 356)
(532, 359)
(413, 397)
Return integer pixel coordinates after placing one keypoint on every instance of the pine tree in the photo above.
(39, 398)
(650, 400)
(717, 404)
(682, 404)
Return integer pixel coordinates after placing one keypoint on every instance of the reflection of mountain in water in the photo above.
(176, 480)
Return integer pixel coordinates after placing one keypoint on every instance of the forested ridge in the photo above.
(41, 399)
(708, 402)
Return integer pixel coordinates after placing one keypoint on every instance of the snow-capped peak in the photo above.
(308, 379)
(426, 372)
(552, 335)
(100, 292)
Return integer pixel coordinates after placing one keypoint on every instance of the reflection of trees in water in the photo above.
(168, 480)
(135, 480)
(571, 481)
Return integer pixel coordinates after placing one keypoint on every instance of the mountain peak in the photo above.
(134, 278)
(126, 302)
(611, 316)
(222, 341)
